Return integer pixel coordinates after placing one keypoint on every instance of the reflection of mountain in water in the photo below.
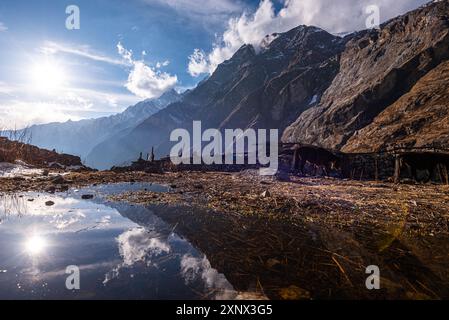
(303, 261)
(155, 242)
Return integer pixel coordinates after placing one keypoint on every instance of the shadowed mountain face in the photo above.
(379, 96)
(79, 137)
(268, 88)
(417, 119)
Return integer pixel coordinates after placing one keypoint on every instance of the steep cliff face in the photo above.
(299, 85)
(419, 118)
(376, 69)
(268, 88)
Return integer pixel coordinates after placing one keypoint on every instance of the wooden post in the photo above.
(443, 173)
(295, 159)
(397, 169)
(439, 171)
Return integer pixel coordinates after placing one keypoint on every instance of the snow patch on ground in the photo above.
(20, 168)
(314, 100)
(74, 168)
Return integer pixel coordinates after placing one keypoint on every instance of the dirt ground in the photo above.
(421, 208)
(306, 238)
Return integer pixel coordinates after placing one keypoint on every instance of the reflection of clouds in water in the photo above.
(105, 221)
(34, 204)
(48, 275)
(199, 269)
(31, 204)
(62, 221)
(32, 271)
(64, 215)
(137, 245)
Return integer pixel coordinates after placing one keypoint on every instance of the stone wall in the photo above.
(368, 166)
(399, 166)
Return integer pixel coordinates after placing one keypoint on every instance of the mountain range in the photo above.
(359, 93)
(79, 137)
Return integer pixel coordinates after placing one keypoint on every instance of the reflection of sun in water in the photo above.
(48, 76)
(35, 245)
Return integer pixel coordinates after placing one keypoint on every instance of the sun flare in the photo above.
(35, 245)
(48, 76)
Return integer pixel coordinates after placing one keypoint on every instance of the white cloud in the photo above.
(203, 8)
(20, 106)
(198, 63)
(144, 81)
(23, 113)
(80, 50)
(5, 89)
(23, 103)
(3, 28)
(162, 64)
(333, 16)
(102, 100)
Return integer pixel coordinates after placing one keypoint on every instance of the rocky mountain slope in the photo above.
(11, 151)
(268, 88)
(419, 118)
(79, 137)
(360, 111)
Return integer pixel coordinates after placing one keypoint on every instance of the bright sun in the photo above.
(48, 76)
(35, 245)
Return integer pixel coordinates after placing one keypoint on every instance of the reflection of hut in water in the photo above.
(397, 164)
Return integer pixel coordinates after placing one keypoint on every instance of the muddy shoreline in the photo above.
(307, 238)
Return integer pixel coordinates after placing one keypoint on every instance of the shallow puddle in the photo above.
(121, 251)
(124, 251)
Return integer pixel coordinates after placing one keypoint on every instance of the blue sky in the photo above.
(94, 68)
